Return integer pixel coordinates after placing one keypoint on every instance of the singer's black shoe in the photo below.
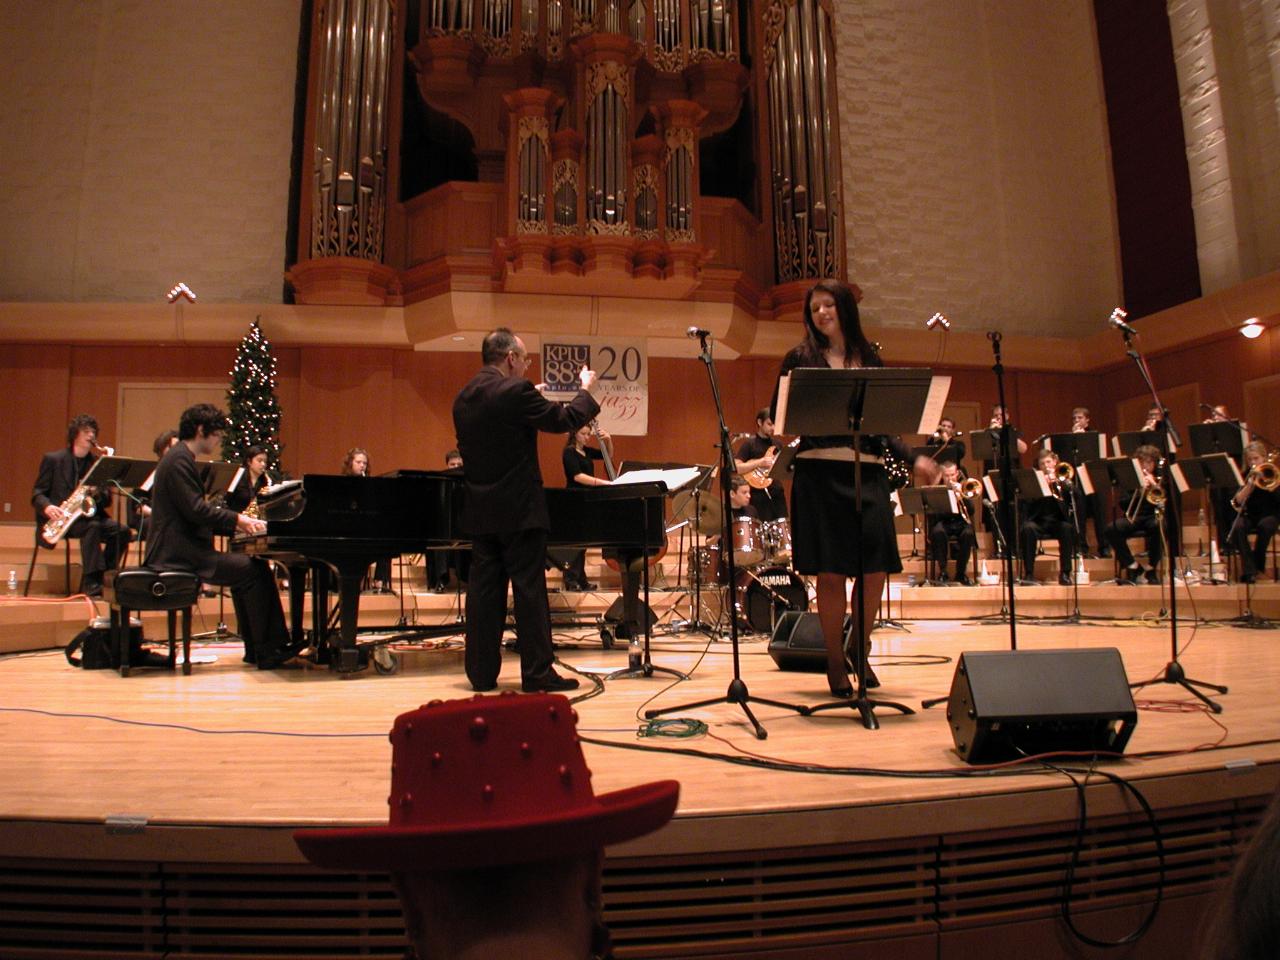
(872, 680)
(843, 691)
(550, 682)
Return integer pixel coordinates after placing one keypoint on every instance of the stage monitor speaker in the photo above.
(797, 643)
(1009, 704)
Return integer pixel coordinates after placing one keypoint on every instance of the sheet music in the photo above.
(1082, 478)
(897, 504)
(146, 484)
(235, 480)
(990, 489)
(1179, 481)
(784, 390)
(675, 479)
(939, 387)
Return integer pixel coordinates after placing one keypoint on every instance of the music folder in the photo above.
(1221, 436)
(1216, 471)
(1076, 448)
(216, 475)
(825, 402)
(985, 443)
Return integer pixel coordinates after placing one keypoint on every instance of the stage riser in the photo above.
(980, 895)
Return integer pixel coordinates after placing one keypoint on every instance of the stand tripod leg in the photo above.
(1174, 674)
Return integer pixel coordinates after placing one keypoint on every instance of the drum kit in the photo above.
(764, 585)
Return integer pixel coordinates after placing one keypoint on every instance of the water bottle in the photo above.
(635, 654)
(13, 583)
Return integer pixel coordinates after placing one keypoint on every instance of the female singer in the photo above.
(579, 471)
(356, 464)
(253, 479)
(824, 524)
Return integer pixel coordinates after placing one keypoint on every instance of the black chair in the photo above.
(141, 588)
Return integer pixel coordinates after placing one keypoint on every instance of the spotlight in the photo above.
(1252, 328)
(937, 320)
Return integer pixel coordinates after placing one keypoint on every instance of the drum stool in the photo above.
(141, 588)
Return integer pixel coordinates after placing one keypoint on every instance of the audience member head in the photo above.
(496, 837)
(1245, 925)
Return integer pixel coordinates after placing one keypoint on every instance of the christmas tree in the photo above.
(252, 406)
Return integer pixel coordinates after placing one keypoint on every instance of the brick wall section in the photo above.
(975, 164)
(147, 143)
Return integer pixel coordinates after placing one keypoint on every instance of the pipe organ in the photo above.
(590, 120)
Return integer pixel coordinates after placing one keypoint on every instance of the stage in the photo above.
(171, 798)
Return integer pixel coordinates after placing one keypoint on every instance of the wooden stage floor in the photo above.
(230, 745)
(184, 790)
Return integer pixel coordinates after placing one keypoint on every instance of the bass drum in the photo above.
(761, 597)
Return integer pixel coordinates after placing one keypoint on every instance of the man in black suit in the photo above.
(181, 538)
(102, 540)
(497, 416)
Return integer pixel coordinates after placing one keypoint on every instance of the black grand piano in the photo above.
(336, 526)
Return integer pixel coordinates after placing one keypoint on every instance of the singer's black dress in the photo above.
(824, 519)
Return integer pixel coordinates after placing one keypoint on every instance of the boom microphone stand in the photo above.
(737, 692)
(1173, 672)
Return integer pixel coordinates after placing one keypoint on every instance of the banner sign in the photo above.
(622, 365)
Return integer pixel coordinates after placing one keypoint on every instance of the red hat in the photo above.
(490, 781)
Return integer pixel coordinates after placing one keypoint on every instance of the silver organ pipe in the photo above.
(349, 190)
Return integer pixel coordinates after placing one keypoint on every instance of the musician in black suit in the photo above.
(579, 471)
(497, 417)
(953, 526)
(1048, 517)
(1259, 514)
(102, 539)
(182, 527)
(758, 454)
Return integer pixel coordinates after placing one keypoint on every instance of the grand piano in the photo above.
(336, 526)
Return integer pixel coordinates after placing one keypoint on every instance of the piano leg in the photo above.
(346, 655)
(297, 602)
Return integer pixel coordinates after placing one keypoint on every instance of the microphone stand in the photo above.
(1006, 488)
(737, 692)
(1173, 672)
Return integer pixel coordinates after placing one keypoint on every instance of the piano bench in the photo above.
(141, 588)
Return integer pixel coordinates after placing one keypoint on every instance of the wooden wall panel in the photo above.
(34, 412)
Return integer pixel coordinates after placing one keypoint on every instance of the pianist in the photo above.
(497, 417)
(182, 528)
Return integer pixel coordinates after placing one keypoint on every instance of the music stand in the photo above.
(1221, 436)
(689, 511)
(1213, 473)
(884, 400)
(737, 692)
(940, 454)
(1123, 444)
(935, 501)
(1076, 448)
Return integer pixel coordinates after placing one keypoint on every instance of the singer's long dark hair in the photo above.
(857, 348)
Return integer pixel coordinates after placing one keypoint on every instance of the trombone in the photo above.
(966, 490)
(1264, 476)
(1152, 492)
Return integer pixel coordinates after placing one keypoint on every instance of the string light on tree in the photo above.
(252, 406)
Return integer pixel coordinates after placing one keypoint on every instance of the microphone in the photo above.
(1205, 406)
(994, 336)
(937, 320)
(696, 333)
(1117, 321)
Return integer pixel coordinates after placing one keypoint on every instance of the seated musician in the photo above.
(1002, 514)
(1259, 514)
(1047, 517)
(953, 526)
(102, 539)
(140, 501)
(182, 527)
(578, 460)
(356, 464)
(253, 478)
(1153, 420)
(755, 458)
(1089, 506)
(740, 504)
(441, 563)
(947, 442)
(1140, 518)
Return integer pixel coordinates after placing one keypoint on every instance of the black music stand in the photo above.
(646, 668)
(1221, 436)
(1076, 448)
(737, 692)
(1213, 474)
(1123, 444)
(825, 402)
(935, 501)
(942, 453)
(694, 492)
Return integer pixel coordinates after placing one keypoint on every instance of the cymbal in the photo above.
(682, 505)
(710, 514)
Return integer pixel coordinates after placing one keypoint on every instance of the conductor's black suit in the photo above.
(497, 419)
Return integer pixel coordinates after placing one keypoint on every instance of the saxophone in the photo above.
(81, 503)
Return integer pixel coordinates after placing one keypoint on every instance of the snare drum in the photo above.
(776, 535)
(761, 597)
(705, 561)
(747, 545)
